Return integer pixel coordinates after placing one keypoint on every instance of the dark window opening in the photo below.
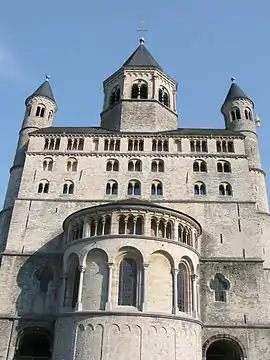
(127, 291)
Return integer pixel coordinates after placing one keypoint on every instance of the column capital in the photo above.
(145, 265)
(194, 277)
(110, 264)
(82, 268)
(175, 271)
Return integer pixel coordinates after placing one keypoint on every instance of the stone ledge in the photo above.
(228, 259)
(129, 313)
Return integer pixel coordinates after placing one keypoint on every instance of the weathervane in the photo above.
(142, 29)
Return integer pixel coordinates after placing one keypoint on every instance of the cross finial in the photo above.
(142, 30)
(47, 77)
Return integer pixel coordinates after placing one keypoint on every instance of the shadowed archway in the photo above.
(224, 350)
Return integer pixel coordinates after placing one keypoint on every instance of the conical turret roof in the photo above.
(141, 58)
(235, 92)
(43, 90)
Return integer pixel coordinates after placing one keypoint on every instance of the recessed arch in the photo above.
(129, 251)
(34, 342)
(229, 340)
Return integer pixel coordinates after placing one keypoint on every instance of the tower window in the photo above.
(225, 189)
(43, 187)
(224, 166)
(198, 146)
(115, 95)
(28, 110)
(52, 144)
(220, 285)
(199, 166)
(50, 115)
(248, 114)
(75, 144)
(160, 145)
(235, 114)
(135, 145)
(134, 187)
(139, 90)
(163, 96)
(127, 291)
(112, 165)
(48, 164)
(68, 187)
(111, 187)
(225, 146)
(111, 145)
(72, 165)
(157, 165)
(157, 188)
(40, 110)
(134, 165)
(199, 188)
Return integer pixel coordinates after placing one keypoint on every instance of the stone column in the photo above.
(175, 230)
(175, 290)
(194, 295)
(108, 305)
(63, 289)
(86, 229)
(145, 287)
(114, 223)
(147, 224)
(79, 301)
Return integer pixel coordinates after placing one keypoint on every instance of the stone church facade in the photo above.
(136, 239)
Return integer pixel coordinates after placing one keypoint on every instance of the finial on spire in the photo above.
(142, 41)
(141, 30)
(47, 77)
(233, 79)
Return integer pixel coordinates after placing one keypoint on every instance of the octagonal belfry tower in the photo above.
(136, 239)
(139, 96)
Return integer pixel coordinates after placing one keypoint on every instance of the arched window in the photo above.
(48, 164)
(139, 90)
(34, 344)
(40, 110)
(163, 96)
(134, 165)
(235, 114)
(225, 189)
(111, 187)
(169, 230)
(127, 289)
(134, 187)
(154, 227)
(68, 187)
(183, 286)
(220, 285)
(156, 188)
(199, 188)
(199, 166)
(112, 165)
(43, 187)
(28, 110)
(157, 165)
(115, 95)
(72, 165)
(224, 166)
(50, 115)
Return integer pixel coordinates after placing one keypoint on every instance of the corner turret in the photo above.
(40, 109)
(238, 112)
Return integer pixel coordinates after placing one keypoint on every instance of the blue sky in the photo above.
(79, 43)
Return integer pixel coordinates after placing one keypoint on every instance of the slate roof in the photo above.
(235, 92)
(141, 58)
(99, 131)
(44, 90)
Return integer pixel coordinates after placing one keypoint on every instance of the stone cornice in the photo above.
(131, 313)
(244, 326)
(231, 259)
(110, 200)
(163, 154)
(257, 170)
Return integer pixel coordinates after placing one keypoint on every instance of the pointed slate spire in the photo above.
(235, 92)
(44, 90)
(141, 58)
